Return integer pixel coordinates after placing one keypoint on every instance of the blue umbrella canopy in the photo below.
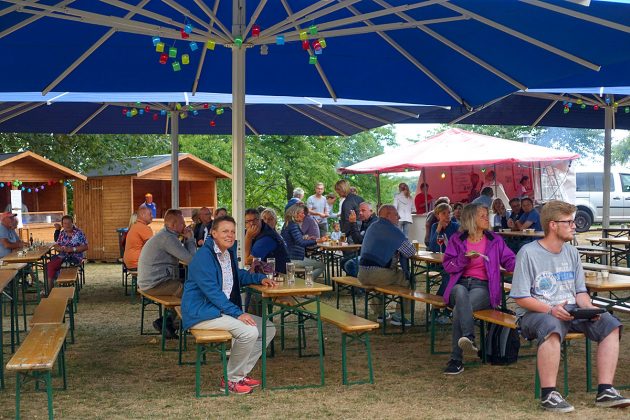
(418, 51)
(204, 113)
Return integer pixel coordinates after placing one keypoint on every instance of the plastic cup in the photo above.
(308, 275)
(271, 262)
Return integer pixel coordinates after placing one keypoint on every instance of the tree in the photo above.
(621, 151)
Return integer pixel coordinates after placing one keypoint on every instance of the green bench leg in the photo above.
(49, 394)
(202, 349)
(363, 338)
(18, 385)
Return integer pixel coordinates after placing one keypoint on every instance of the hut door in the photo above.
(96, 220)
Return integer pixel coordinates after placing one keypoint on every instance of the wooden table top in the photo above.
(615, 282)
(611, 268)
(348, 247)
(428, 256)
(12, 266)
(29, 257)
(522, 234)
(5, 278)
(296, 289)
(617, 241)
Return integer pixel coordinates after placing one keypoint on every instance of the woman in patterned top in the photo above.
(71, 244)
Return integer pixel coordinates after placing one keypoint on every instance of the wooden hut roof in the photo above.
(142, 166)
(8, 158)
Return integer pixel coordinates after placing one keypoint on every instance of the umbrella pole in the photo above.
(608, 122)
(174, 159)
(378, 190)
(238, 122)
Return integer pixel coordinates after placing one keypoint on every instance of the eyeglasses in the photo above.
(570, 222)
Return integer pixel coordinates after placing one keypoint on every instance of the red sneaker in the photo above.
(236, 387)
(250, 382)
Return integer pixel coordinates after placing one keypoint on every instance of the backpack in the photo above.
(502, 345)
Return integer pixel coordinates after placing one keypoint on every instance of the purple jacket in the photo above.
(498, 253)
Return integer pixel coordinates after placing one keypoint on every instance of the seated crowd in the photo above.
(548, 276)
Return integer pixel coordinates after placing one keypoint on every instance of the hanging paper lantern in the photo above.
(61, 181)
(238, 41)
(155, 117)
(210, 44)
(322, 42)
(159, 47)
(23, 189)
(312, 29)
(212, 123)
(256, 31)
(176, 66)
(134, 112)
(29, 190)
(305, 45)
(162, 112)
(627, 110)
(280, 40)
(220, 111)
(1, 184)
(303, 35)
(183, 34)
(156, 40)
(50, 182)
(188, 28)
(41, 187)
(163, 58)
(443, 175)
(212, 108)
(312, 59)
(178, 106)
(566, 109)
(195, 112)
(172, 52)
(147, 108)
(185, 59)
(608, 100)
(583, 106)
(570, 104)
(579, 102)
(615, 104)
(595, 107)
(193, 46)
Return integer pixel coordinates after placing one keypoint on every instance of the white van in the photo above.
(589, 187)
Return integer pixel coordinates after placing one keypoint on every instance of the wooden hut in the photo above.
(111, 194)
(42, 183)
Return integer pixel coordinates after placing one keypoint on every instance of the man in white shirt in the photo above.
(316, 204)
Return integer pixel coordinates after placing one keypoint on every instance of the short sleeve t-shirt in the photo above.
(318, 205)
(533, 217)
(551, 278)
(138, 235)
(11, 236)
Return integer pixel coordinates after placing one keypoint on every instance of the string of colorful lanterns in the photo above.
(183, 111)
(34, 189)
(567, 105)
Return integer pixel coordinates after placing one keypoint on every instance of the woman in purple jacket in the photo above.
(473, 259)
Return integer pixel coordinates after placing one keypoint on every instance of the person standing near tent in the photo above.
(423, 200)
(405, 206)
(497, 187)
(148, 203)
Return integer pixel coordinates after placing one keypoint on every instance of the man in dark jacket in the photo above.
(350, 204)
(261, 241)
(350, 261)
(212, 300)
(202, 230)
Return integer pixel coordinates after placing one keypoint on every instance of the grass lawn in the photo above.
(114, 372)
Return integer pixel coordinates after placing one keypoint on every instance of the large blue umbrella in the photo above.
(204, 113)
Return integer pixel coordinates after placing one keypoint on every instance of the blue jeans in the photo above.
(404, 226)
(351, 267)
(468, 295)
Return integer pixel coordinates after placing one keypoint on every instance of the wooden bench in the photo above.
(35, 359)
(350, 284)
(69, 277)
(68, 294)
(206, 341)
(435, 304)
(166, 302)
(355, 328)
(507, 320)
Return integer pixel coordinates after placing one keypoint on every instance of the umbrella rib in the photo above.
(579, 15)
(158, 17)
(414, 61)
(544, 114)
(204, 51)
(474, 111)
(290, 19)
(294, 36)
(400, 111)
(107, 21)
(364, 114)
(524, 37)
(187, 13)
(14, 107)
(318, 66)
(21, 111)
(460, 50)
(337, 117)
(27, 21)
(88, 52)
(555, 97)
(212, 15)
(317, 120)
(255, 15)
(90, 118)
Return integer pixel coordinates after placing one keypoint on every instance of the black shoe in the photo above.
(454, 367)
(555, 402)
(157, 324)
(171, 333)
(611, 398)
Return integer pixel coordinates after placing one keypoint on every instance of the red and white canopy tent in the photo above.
(449, 158)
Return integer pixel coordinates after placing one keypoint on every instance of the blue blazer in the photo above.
(203, 297)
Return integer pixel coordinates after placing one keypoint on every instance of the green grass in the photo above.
(113, 372)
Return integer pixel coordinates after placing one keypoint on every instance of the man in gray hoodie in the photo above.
(158, 267)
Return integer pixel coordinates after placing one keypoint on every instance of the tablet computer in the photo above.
(586, 313)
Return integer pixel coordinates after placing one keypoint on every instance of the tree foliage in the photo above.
(621, 152)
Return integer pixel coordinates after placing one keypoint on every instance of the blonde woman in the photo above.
(405, 206)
